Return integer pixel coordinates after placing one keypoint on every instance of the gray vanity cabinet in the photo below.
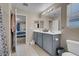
(47, 43)
(40, 42)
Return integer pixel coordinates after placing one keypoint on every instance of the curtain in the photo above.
(3, 42)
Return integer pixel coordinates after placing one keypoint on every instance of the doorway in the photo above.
(21, 29)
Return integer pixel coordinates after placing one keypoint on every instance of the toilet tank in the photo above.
(73, 46)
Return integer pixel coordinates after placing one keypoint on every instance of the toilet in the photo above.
(73, 48)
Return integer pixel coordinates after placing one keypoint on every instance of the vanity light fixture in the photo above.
(43, 13)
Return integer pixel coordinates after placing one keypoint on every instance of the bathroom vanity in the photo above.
(47, 41)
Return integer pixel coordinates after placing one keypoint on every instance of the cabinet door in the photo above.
(35, 37)
(40, 39)
(56, 43)
(47, 43)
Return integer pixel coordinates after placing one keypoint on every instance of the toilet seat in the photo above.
(68, 54)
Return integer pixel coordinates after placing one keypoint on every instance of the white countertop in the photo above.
(55, 32)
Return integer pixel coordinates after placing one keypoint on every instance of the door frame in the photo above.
(16, 24)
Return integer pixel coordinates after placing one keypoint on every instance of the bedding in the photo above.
(21, 34)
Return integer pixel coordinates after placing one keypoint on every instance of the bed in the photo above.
(21, 34)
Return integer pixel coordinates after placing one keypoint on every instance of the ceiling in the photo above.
(32, 7)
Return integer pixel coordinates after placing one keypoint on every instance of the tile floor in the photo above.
(40, 51)
(28, 50)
